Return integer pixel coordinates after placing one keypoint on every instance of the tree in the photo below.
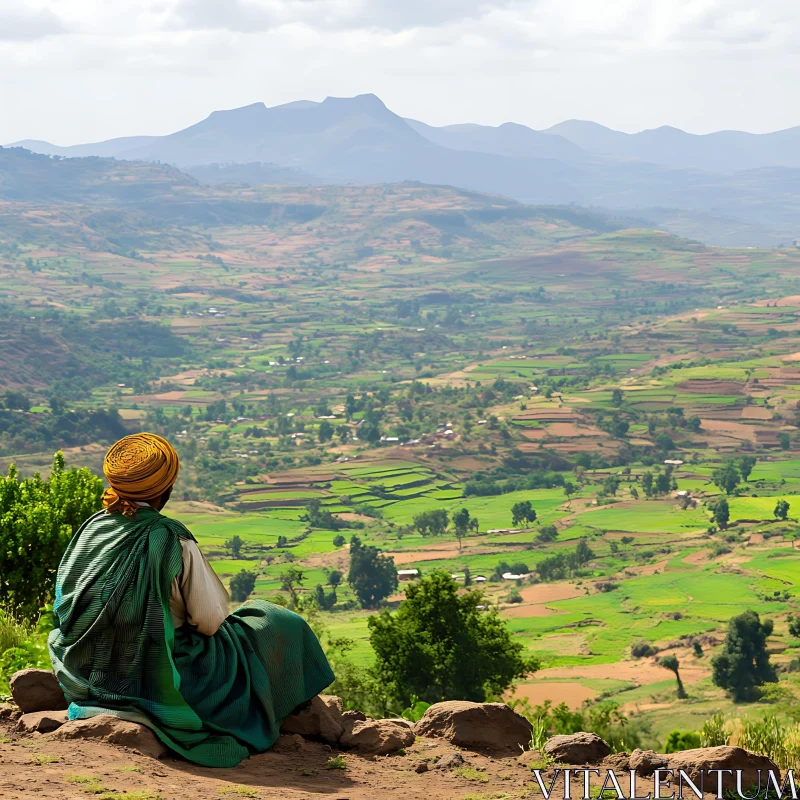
(242, 585)
(785, 441)
(523, 512)
(647, 483)
(611, 485)
(743, 665)
(334, 577)
(462, 522)
(745, 465)
(569, 489)
(291, 582)
(234, 545)
(372, 576)
(616, 398)
(671, 663)
(547, 533)
(722, 513)
(726, 477)
(467, 576)
(794, 627)
(339, 540)
(440, 645)
(433, 522)
(325, 432)
(38, 517)
(662, 483)
(326, 601)
(781, 509)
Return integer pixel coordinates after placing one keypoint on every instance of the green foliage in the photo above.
(682, 740)
(726, 477)
(234, 545)
(326, 601)
(781, 509)
(523, 511)
(339, 541)
(722, 513)
(547, 533)
(440, 646)
(372, 575)
(431, 523)
(319, 517)
(743, 665)
(745, 465)
(773, 738)
(715, 732)
(23, 645)
(416, 709)
(242, 585)
(794, 627)
(37, 519)
(603, 718)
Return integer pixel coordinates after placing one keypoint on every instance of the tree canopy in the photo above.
(440, 645)
(743, 664)
(38, 517)
(372, 576)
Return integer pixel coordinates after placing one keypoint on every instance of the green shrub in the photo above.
(715, 733)
(773, 738)
(682, 740)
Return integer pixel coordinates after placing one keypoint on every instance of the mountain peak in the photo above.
(363, 102)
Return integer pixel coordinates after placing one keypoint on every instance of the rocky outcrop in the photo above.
(576, 748)
(37, 690)
(41, 721)
(479, 725)
(376, 737)
(696, 763)
(322, 719)
(113, 730)
(646, 762)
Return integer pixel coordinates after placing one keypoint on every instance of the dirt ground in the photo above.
(50, 770)
(573, 694)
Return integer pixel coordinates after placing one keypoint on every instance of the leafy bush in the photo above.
(715, 733)
(416, 710)
(514, 597)
(682, 740)
(37, 519)
(772, 738)
(642, 649)
(242, 585)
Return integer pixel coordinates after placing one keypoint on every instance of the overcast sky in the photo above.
(84, 70)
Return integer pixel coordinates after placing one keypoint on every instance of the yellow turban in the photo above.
(139, 467)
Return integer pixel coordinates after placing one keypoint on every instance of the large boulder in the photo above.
(376, 737)
(646, 762)
(696, 763)
(476, 725)
(37, 690)
(576, 748)
(322, 719)
(113, 730)
(41, 721)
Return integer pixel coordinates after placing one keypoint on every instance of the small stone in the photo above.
(421, 767)
(450, 761)
(322, 719)
(290, 741)
(576, 748)
(376, 737)
(37, 690)
(492, 726)
(7, 711)
(113, 730)
(646, 762)
(41, 721)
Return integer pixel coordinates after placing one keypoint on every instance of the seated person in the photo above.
(143, 630)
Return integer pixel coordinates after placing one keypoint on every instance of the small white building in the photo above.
(480, 579)
(510, 576)
(407, 574)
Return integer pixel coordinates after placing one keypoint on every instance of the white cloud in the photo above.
(22, 24)
(151, 66)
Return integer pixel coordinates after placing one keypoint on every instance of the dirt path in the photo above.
(50, 770)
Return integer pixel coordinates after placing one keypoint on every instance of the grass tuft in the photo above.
(337, 762)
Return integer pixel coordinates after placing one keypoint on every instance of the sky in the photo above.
(76, 71)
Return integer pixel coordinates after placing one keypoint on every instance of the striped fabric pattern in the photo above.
(212, 699)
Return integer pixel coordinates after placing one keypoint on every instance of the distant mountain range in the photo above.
(744, 188)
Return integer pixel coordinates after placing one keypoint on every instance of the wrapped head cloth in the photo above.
(140, 468)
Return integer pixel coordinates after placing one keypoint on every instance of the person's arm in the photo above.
(205, 597)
